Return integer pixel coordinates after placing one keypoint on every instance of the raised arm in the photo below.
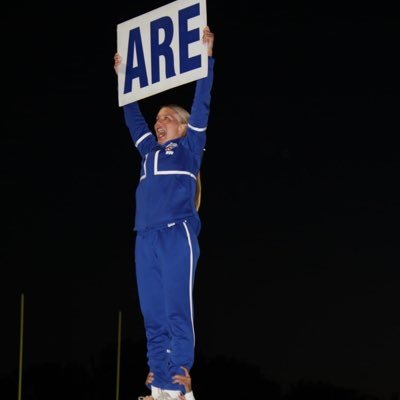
(141, 134)
(200, 109)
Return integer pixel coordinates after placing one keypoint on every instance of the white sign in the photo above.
(161, 49)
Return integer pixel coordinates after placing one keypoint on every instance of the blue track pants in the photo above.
(166, 262)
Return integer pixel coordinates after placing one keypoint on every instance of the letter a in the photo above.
(131, 73)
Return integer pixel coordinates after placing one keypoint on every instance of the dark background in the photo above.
(297, 287)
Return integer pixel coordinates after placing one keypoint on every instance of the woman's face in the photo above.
(167, 126)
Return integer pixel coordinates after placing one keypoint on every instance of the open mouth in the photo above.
(160, 133)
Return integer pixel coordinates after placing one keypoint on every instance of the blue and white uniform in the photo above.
(167, 226)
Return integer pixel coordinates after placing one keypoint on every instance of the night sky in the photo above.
(299, 268)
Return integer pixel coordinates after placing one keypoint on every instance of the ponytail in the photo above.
(197, 196)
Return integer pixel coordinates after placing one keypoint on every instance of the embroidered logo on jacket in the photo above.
(169, 150)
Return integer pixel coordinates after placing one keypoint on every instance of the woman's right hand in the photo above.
(117, 62)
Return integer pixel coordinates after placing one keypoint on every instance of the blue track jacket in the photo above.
(166, 191)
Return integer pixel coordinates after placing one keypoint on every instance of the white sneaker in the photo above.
(158, 394)
(165, 396)
(155, 392)
(173, 394)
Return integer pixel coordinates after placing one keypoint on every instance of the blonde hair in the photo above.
(184, 119)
